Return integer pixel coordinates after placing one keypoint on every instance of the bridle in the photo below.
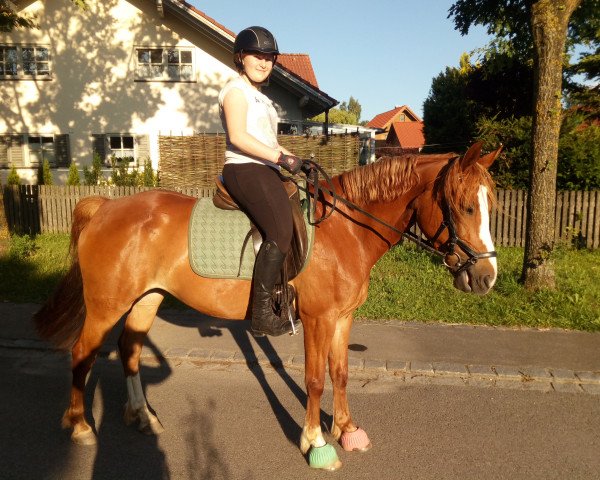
(450, 245)
(312, 170)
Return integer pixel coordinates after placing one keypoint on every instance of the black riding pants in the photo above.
(259, 191)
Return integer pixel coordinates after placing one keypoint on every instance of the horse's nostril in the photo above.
(488, 281)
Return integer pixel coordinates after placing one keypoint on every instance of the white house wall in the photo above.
(93, 88)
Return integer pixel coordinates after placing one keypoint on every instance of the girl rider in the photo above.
(253, 159)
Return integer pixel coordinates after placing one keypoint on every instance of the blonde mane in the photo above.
(384, 180)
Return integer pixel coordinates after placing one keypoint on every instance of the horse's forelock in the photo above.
(384, 180)
(460, 188)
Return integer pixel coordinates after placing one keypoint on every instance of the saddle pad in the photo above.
(215, 240)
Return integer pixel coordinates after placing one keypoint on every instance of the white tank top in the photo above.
(261, 121)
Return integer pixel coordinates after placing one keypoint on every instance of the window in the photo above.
(29, 150)
(165, 64)
(24, 61)
(41, 148)
(121, 147)
(125, 147)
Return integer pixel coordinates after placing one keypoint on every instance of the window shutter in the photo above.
(143, 149)
(4, 144)
(99, 145)
(62, 149)
(15, 151)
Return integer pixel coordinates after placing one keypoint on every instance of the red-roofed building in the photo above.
(131, 72)
(406, 135)
(384, 120)
(300, 65)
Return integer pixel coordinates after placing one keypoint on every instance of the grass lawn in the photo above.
(406, 284)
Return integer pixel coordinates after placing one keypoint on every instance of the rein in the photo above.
(312, 169)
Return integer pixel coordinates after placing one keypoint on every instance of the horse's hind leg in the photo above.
(350, 437)
(131, 341)
(95, 329)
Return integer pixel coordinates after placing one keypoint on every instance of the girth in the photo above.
(298, 252)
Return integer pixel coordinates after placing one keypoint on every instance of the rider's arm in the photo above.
(236, 109)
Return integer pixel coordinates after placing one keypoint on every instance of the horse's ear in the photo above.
(472, 156)
(487, 160)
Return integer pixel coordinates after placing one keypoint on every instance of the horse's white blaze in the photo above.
(484, 227)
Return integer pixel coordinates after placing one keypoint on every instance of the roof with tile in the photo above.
(300, 65)
(386, 118)
(409, 134)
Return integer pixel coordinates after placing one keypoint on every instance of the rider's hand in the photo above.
(291, 163)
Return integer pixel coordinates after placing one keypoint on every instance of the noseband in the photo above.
(453, 241)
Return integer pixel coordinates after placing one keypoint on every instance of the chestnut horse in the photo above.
(127, 252)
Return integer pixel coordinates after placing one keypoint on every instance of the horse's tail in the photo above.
(61, 318)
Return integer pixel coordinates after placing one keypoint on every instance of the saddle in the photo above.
(298, 252)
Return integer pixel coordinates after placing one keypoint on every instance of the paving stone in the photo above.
(222, 355)
(177, 352)
(508, 384)
(421, 368)
(199, 353)
(588, 377)
(484, 370)
(593, 388)
(480, 382)
(505, 372)
(566, 387)
(446, 368)
(536, 372)
(355, 363)
(537, 386)
(562, 375)
(298, 360)
(420, 379)
(375, 365)
(397, 366)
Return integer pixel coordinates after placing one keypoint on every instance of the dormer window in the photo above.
(24, 61)
(172, 64)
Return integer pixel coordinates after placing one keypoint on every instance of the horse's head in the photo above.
(454, 214)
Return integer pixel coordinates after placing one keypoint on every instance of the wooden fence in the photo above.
(48, 209)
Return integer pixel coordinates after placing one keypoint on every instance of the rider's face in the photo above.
(258, 66)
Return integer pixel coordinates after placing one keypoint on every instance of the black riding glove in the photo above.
(291, 163)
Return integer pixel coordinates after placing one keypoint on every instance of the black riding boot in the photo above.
(266, 273)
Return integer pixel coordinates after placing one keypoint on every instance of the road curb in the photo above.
(533, 378)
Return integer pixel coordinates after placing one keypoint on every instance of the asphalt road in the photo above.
(228, 421)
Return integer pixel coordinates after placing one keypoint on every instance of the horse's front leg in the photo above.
(317, 340)
(343, 429)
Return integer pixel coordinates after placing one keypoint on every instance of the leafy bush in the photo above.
(22, 246)
(13, 177)
(73, 178)
(94, 175)
(46, 173)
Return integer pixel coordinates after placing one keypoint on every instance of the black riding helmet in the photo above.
(253, 39)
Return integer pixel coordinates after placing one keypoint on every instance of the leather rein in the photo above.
(312, 170)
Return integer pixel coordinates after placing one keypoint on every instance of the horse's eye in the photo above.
(470, 210)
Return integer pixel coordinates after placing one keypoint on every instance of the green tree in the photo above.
(149, 178)
(539, 28)
(13, 177)
(346, 114)
(73, 178)
(10, 18)
(46, 173)
(93, 175)
(446, 112)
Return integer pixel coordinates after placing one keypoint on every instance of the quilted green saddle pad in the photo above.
(215, 239)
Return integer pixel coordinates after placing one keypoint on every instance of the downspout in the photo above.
(326, 125)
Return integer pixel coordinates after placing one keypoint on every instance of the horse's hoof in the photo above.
(356, 441)
(86, 437)
(324, 457)
(152, 428)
